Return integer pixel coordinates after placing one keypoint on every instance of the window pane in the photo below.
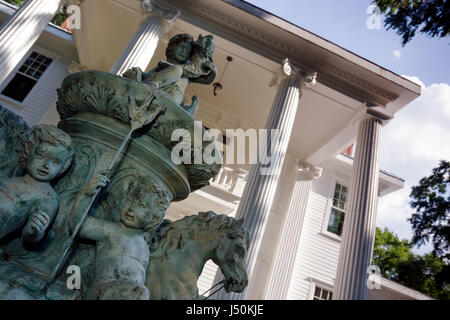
(317, 292)
(30, 72)
(324, 294)
(340, 196)
(19, 87)
(336, 221)
(37, 74)
(35, 65)
(29, 61)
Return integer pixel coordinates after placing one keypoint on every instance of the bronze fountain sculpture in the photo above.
(93, 193)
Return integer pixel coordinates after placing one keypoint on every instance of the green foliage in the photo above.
(406, 17)
(16, 2)
(389, 251)
(428, 274)
(431, 201)
(59, 18)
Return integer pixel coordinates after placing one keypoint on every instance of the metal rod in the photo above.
(213, 287)
(214, 292)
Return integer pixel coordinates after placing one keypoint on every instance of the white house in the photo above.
(313, 220)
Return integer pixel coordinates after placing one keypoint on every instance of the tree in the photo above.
(428, 274)
(406, 17)
(59, 18)
(389, 251)
(431, 201)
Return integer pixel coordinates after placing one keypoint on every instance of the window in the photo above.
(27, 76)
(336, 220)
(322, 294)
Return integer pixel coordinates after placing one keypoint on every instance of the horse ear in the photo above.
(238, 224)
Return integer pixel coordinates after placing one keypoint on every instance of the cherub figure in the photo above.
(187, 61)
(30, 201)
(122, 247)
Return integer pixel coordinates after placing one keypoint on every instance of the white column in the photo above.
(21, 31)
(281, 273)
(141, 48)
(360, 220)
(260, 188)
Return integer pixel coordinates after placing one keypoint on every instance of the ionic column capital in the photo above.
(312, 172)
(168, 14)
(288, 70)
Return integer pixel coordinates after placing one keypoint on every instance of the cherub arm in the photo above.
(163, 74)
(39, 220)
(92, 228)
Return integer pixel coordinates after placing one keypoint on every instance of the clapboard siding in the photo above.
(317, 255)
(43, 95)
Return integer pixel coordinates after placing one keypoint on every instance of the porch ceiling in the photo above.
(324, 123)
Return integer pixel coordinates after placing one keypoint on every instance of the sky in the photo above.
(419, 136)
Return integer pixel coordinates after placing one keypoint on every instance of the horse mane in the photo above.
(173, 235)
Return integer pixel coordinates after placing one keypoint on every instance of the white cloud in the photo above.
(411, 146)
(397, 53)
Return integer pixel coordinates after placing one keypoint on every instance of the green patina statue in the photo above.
(187, 61)
(93, 193)
(29, 201)
(181, 248)
(122, 254)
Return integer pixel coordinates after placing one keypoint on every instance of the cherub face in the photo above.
(45, 161)
(182, 51)
(147, 212)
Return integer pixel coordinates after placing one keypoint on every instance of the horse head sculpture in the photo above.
(180, 250)
(230, 255)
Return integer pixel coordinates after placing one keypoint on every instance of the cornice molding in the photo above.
(307, 61)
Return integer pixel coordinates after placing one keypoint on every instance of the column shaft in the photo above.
(21, 31)
(360, 220)
(259, 192)
(141, 48)
(281, 273)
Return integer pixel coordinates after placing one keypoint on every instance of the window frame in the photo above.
(329, 206)
(316, 283)
(6, 82)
